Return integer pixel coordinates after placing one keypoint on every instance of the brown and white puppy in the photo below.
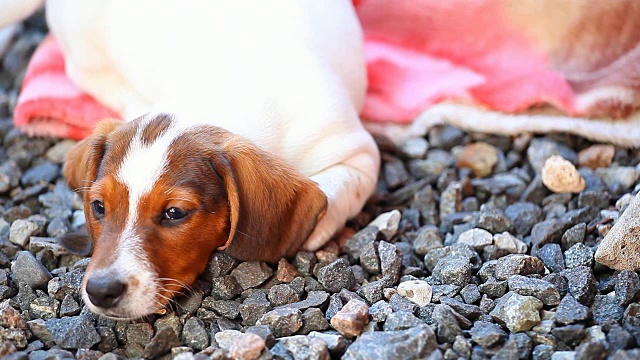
(160, 198)
(263, 154)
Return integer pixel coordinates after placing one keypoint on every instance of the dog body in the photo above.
(259, 149)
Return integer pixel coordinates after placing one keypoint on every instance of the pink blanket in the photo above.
(503, 66)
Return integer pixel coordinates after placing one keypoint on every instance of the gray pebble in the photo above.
(578, 255)
(282, 322)
(251, 274)
(29, 270)
(46, 172)
(194, 334)
(337, 276)
(455, 270)
(543, 290)
(551, 255)
(73, 332)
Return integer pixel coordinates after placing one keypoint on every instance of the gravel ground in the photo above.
(473, 257)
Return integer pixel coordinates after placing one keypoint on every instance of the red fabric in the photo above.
(421, 52)
(49, 102)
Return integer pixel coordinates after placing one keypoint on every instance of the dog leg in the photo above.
(347, 185)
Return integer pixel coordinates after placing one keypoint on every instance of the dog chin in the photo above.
(130, 307)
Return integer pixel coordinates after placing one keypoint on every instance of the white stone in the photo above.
(387, 223)
(477, 238)
(561, 176)
(415, 148)
(58, 152)
(563, 355)
(21, 231)
(227, 338)
(510, 243)
(418, 291)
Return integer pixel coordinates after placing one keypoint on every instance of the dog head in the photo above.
(159, 198)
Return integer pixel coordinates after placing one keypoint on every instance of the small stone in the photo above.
(606, 308)
(509, 243)
(313, 320)
(254, 307)
(627, 287)
(454, 270)
(494, 288)
(450, 200)
(225, 287)
(336, 343)
(282, 294)
(379, 311)
(414, 147)
(418, 291)
(394, 172)
(570, 311)
(226, 338)
(518, 264)
(282, 321)
(194, 334)
(373, 291)
(573, 235)
(316, 298)
(337, 276)
(401, 320)
(390, 262)
(561, 176)
(476, 238)
(58, 151)
(543, 290)
(582, 283)
(551, 255)
(351, 319)
(44, 172)
(251, 274)
(29, 270)
(247, 346)
(21, 230)
(480, 157)
(428, 237)
(540, 149)
(45, 308)
(411, 344)
(369, 259)
(447, 323)
(220, 264)
(523, 216)
(596, 156)
(300, 347)
(542, 352)
(387, 223)
(547, 231)
(578, 255)
(286, 272)
(161, 343)
(69, 307)
(487, 334)
(10, 317)
(355, 244)
(618, 178)
(591, 350)
(517, 312)
(73, 332)
(470, 294)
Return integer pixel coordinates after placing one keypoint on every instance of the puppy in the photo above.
(258, 151)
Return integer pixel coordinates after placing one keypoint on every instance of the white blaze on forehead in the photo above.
(143, 164)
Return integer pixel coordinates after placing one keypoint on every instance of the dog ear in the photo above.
(273, 207)
(78, 242)
(83, 160)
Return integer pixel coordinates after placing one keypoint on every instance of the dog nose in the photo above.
(105, 291)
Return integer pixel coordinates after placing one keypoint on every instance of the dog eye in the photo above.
(98, 209)
(173, 213)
